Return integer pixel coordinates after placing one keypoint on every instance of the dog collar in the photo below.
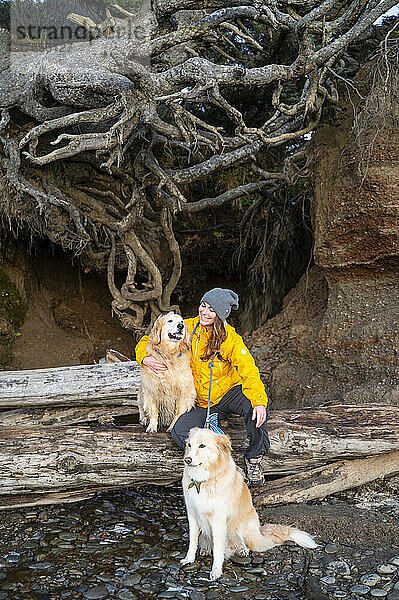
(196, 484)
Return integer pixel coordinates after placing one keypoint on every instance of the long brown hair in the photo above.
(218, 336)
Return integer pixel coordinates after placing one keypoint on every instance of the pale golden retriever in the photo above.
(220, 512)
(165, 396)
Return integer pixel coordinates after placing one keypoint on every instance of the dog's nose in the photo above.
(180, 326)
(188, 460)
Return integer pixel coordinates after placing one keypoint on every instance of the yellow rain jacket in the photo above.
(238, 369)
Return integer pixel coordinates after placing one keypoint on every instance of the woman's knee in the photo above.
(178, 436)
(181, 429)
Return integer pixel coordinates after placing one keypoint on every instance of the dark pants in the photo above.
(232, 403)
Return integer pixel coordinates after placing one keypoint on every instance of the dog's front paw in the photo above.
(215, 574)
(205, 552)
(152, 428)
(187, 560)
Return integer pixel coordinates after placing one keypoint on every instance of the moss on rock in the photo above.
(11, 316)
(11, 306)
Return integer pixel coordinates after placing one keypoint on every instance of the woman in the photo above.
(225, 374)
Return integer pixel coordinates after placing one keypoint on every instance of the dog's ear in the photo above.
(155, 335)
(224, 443)
(189, 436)
(191, 433)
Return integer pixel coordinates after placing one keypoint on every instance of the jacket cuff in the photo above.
(259, 402)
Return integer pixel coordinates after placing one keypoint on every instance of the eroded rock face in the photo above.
(345, 347)
(356, 221)
(356, 208)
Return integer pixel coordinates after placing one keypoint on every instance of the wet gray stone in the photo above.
(41, 566)
(393, 596)
(328, 579)
(172, 536)
(68, 536)
(146, 563)
(12, 557)
(256, 570)
(126, 595)
(196, 595)
(74, 516)
(148, 589)
(104, 578)
(241, 560)
(360, 590)
(132, 580)
(386, 569)
(190, 567)
(370, 579)
(239, 588)
(339, 566)
(213, 595)
(331, 548)
(378, 593)
(96, 593)
(394, 560)
(340, 594)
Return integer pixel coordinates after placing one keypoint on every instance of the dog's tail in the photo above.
(275, 535)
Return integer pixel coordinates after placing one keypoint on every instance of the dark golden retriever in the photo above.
(165, 396)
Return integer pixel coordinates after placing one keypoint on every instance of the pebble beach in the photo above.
(127, 545)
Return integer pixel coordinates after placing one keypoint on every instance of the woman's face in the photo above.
(207, 315)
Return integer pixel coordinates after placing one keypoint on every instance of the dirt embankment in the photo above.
(288, 345)
(66, 316)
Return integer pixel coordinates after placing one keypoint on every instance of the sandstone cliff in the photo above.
(337, 337)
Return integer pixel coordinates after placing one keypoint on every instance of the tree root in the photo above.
(148, 115)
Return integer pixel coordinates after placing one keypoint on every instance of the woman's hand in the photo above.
(259, 413)
(155, 365)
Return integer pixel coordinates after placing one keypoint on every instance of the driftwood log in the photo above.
(82, 385)
(335, 477)
(48, 453)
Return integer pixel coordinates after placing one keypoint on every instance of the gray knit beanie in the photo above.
(222, 301)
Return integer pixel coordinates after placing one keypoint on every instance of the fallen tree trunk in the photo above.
(64, 463)
(45, 457)
(58, 459)
(56, 417)
(104, 384)
(314, 436)
(323, 481)
(300, 439)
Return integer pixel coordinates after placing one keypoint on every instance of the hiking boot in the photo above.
(255, 476)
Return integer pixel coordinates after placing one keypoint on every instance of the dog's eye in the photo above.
(189, 445)
(202, 445)
(170, 321)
